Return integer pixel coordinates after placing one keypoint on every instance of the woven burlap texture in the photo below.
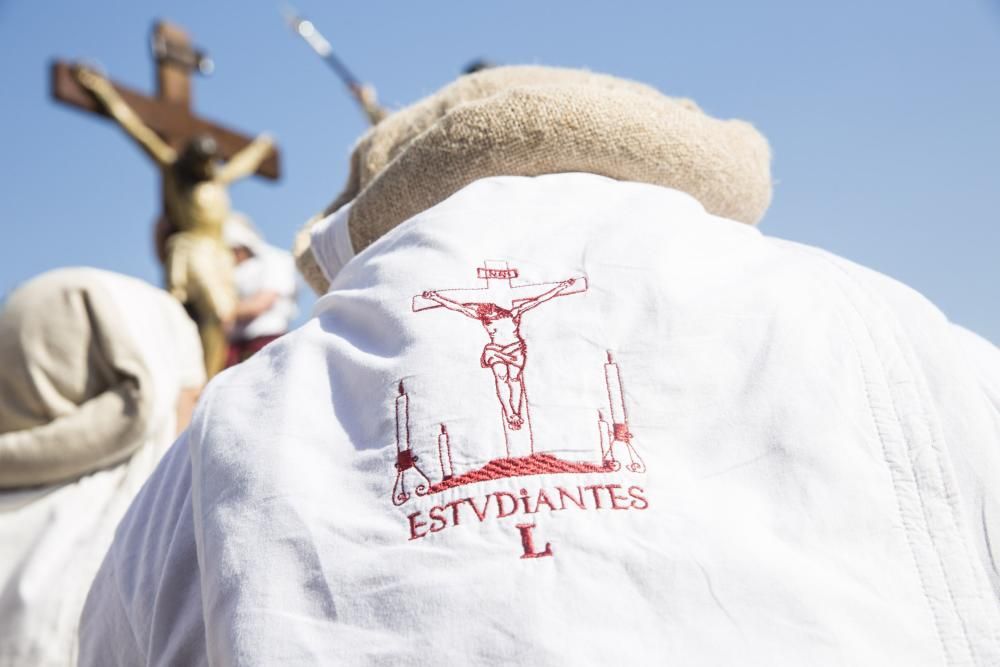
(528, 121)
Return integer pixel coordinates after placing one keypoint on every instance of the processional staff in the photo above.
(364, 94)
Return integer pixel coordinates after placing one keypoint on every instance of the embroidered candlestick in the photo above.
(405, 459)
(619, 417)
(444, 455)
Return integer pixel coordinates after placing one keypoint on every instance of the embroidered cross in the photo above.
(499, 306)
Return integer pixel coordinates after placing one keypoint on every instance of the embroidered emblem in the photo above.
(499, 307)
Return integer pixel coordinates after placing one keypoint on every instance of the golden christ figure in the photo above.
(198, 265)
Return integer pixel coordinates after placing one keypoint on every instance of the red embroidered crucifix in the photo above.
(499, 307)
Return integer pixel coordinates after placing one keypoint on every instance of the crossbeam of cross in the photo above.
(169, 111)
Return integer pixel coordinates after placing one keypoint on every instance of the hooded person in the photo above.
(266, 289)
(99, 373)
(197, 264)
(562, 403)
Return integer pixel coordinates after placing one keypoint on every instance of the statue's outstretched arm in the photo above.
(246, 161)
(148, 140)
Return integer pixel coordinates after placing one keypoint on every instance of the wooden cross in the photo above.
(169, 112)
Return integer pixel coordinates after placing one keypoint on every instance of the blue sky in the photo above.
(884, 117)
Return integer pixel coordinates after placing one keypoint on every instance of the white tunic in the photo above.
(728, 449)
(53, 538)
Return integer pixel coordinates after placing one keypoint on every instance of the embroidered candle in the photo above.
(444, 454)
(618, 417)
(402, 421)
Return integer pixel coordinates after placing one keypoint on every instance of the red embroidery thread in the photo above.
(414, 524)
(444, 454)
(536, 464)
(481, 515)
(501, 274)
(619, 417)
(594, 488)
(506, 352)
(406, 460)
(503, 494)
(506, 355)
(564, 495)
(611, 491)
(508, 504)
(528, 542)
(438, 522)
(636, 492)
(543, 498)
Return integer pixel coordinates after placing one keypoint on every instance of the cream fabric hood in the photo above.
(103, 358)
(76, 392)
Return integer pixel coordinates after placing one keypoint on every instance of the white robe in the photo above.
(746, 451)
(53, 537)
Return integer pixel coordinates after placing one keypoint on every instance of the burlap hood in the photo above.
(528, 121)
(75, 392)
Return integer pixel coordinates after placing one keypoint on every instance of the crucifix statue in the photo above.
(499, 307)
(197, 161)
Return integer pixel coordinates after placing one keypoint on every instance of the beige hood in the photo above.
(75, 392)
(528, 121)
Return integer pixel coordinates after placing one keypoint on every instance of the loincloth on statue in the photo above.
(512, 354)
(199, 272)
